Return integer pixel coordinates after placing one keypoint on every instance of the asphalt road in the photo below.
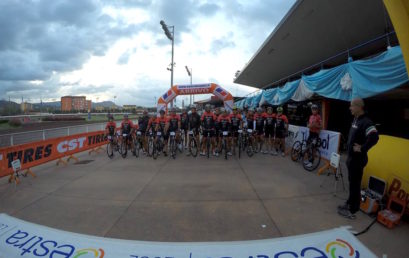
(189, 199)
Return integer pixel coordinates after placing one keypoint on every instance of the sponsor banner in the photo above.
(329, 139)
(23, 239)
(194, 89)
(36, 153)
(169, 95)
(220, 92)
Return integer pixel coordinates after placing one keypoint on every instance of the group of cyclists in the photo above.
(265, 128)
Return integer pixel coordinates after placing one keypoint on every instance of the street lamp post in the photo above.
(171, 36)
(190, 73)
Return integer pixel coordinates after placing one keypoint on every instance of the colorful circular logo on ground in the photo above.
(332, 248)
(89, 252)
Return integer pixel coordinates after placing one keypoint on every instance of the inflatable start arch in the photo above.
(193, 89)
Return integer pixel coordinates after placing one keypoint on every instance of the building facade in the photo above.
(75, 103)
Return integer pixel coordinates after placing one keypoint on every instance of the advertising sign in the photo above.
(329, 139)
(36, 153)
(23, 239)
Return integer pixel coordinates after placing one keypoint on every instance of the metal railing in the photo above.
(38, 135)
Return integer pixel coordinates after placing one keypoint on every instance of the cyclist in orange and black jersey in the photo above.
(236, 122)
(269, 130)
(281, 130)
(151, 126)
(174, 125)
(208, 128)
(216, 123)
(127, 128)
(184, 124)
(250, 120)
(259, 117)
(110, 127)
(224, 126)
(236, 125)
(162, 126)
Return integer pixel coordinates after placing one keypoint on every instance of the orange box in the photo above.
(391, 216)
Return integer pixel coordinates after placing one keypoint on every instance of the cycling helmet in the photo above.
(314, 106)
(280, 109)
(223, 110)
(234, 107)
(110, 117)
(162, 111)
(192, 107)
(126, 116)
(259, 110)
(207, 107)
(251, 110)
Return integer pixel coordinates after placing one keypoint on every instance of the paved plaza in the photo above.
(189, 199)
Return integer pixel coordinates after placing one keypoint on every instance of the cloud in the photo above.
(222, 43)
(209, 9)
(42, 37)
(78, 47)
(124, 58)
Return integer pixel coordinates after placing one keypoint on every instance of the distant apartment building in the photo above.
(26, 107)
(75, 103)
(129, 107)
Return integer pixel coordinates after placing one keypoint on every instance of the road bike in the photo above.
(224, 149)
(193, 148)
(112, 145)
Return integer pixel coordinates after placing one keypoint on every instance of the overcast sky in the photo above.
(107, 48)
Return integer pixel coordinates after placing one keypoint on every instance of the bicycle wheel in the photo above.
(249, 148)
(296, 151)
(173, 147)
(208, 147)
(239, 143)
(124, 148)
(311, 159)
(224, 147)
(110, 150)
(150, 146)
(154, 150)
(193, 147)
(137, 147)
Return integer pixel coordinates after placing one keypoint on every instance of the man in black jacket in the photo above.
(362, 136)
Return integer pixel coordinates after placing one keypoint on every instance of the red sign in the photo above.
(36, 153)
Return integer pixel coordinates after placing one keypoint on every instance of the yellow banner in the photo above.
(399, 13)
(388, 160)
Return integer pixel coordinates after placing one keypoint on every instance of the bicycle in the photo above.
(312, 155)
(208, 144)
(240, 141)
(124, 144)
(248, 143)
(297, 150)
(172, 144)
(150, 144)
(138, 143)
(193, 148)
(225, 134)
(158, 145)
(112, 145)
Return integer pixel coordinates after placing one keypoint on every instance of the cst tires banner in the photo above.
(36, 153)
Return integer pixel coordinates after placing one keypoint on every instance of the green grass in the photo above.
(6, 126)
